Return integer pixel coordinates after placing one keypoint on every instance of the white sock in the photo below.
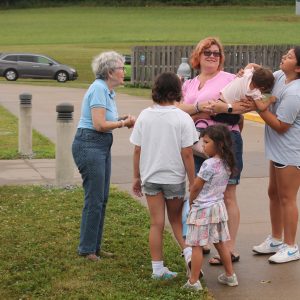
(295, 246)
(158, 267)
(277, 240)
(187, 252)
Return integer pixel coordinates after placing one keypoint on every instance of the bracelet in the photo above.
(123, 123)
(197, 107)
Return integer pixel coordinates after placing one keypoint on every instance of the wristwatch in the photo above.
(229, 108)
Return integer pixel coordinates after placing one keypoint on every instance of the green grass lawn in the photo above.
(73, 35)
(39, 236)
(40, 226)
(41, 146)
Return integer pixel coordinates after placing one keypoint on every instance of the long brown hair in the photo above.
(221, 137)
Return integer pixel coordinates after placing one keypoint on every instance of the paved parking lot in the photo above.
(258, 279)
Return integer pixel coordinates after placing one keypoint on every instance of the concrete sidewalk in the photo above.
(258, 279)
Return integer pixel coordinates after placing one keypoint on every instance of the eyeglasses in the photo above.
(214, 53)
(120, 68)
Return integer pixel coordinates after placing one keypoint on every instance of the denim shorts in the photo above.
(237, 144)
(169, 191)
(281, 166)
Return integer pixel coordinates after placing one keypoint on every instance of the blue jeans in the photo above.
(92, 155)
(237, 147)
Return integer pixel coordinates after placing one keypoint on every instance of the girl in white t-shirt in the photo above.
(163, 136)
(207, 220)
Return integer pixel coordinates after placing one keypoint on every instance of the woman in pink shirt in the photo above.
(208, 57)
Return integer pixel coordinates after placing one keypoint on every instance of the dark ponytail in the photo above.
(297, 54)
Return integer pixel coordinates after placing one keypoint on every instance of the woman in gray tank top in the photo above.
(282, 144)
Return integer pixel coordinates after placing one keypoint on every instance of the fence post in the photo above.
(64, 130)
(298, 7)
(25, 125)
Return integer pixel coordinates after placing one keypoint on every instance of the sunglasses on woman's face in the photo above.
(214, 53)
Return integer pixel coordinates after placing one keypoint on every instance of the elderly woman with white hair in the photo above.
(92, 148)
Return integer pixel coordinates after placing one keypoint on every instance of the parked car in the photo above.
(127, 64)
(127, 59)
(27, 65)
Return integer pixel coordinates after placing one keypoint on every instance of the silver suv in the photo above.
(27, 65)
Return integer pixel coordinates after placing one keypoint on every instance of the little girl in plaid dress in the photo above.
(207, 219)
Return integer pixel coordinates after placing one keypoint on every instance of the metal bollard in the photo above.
(25, 125)
(64, 130)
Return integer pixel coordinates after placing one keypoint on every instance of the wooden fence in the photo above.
(149, 61)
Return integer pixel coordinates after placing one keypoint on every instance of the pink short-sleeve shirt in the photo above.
(210, 91)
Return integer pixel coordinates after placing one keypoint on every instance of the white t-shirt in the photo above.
(161, 132)
(239, 88)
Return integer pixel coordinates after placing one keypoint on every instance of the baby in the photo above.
(255, 81)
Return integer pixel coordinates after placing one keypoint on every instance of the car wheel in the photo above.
(61, 76)
(11, 75)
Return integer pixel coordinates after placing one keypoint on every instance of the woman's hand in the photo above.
(129, 121)
(216, 107)
(243, 106)
(239, 107)
(137, 187)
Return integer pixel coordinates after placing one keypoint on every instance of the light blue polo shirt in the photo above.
(98, 95)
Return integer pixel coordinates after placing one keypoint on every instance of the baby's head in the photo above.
(166, 88)
(263, 79)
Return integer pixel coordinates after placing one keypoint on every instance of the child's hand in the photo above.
(240, 73)
(253, 66)
(272, 99)
(137, 187)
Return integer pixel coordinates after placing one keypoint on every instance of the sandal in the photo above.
(102, 253)
(216, 260)
(206, 250)
(235, 257)
(90, 256)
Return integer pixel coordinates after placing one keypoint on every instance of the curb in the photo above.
(254, 117)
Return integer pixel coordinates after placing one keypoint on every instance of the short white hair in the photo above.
(105, 62)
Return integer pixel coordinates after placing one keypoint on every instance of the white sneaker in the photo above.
(166, 275)
(195, 286)
(285, 254)
(269, 245)
(228, 280)
(188, 264)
